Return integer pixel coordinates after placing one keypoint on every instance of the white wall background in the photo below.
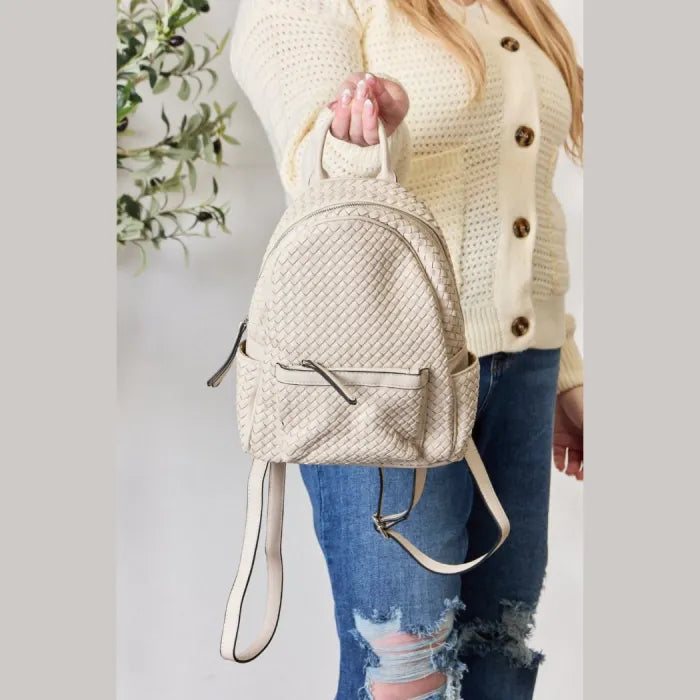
(181, 473)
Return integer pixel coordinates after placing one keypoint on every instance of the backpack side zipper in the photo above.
(220, 373)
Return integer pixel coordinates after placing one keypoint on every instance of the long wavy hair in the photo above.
(538, 19)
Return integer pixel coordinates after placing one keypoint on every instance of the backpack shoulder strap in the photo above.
(273, 553)
(481, 478)
(273, 545)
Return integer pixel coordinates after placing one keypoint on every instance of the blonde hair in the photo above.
(538, 19)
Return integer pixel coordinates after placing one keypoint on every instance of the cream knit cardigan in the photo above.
(459, 155)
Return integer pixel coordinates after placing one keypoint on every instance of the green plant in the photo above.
(153, 53)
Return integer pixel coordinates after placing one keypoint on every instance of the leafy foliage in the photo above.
(154, 54)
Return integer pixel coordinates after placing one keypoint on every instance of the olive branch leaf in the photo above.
(153, 55)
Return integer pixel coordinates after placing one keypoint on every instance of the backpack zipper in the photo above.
(330, 378)
(218, 376)
(220, 373)
(330, 207)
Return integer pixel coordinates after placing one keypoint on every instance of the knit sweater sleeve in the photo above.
(289, 58)
(571, 362)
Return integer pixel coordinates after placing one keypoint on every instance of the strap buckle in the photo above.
(383, 523)
(380, 525)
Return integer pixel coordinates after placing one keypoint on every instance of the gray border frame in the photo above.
(59, 346)
(641, 260)
(58, 351)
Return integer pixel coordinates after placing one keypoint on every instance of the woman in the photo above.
(494, 91)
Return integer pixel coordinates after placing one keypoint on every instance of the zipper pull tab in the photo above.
(220, 373)
(330, 378)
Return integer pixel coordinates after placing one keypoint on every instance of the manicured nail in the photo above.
(361, 89)
(370, 78)
(368, 107)
(346, 96)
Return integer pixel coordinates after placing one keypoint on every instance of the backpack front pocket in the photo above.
(350, 415)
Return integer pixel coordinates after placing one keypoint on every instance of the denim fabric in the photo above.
(474, 626)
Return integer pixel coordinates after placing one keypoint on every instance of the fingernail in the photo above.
(369, 78)
(361, 89)
(346, 96)
(368, 107)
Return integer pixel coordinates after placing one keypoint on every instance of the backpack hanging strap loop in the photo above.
(273, 552)
(318, 172)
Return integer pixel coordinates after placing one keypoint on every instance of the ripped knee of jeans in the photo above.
(506, 636)
(410, 662)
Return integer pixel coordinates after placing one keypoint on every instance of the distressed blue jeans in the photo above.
(464, 634)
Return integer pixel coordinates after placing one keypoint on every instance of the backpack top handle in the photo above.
(323, 127)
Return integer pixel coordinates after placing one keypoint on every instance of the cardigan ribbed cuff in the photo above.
(571, 361)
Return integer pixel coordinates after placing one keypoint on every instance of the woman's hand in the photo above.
(362, 99)
(568, 432)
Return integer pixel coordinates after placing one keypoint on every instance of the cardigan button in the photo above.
(520, 326)
(510, 44)
(524, 136)
(521, 227)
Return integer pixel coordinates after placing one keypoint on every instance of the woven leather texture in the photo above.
(357, 275)
(247, 378)
(463, 383)
(356, 354)
(386, 423)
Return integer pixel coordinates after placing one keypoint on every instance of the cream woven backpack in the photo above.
(355, 353)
